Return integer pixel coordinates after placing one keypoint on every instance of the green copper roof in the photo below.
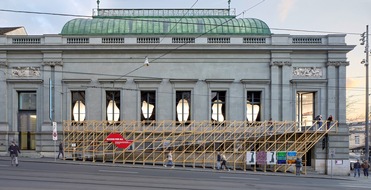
(162, 26)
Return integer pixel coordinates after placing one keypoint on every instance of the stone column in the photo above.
(275, 112)
(287, 99)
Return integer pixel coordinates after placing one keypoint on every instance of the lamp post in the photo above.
(364, 41)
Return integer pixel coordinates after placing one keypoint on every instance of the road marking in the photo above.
(354, 185)
(244, 178)
(112, 171)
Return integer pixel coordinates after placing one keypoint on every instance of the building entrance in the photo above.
(27, 129)
(27, 120)
(305, 114)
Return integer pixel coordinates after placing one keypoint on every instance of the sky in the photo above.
(282, 16)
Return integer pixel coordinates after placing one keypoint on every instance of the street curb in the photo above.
(80, 162)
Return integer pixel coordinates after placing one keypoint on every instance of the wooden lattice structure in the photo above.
(194, 144)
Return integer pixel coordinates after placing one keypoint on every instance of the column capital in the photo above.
(281, 63)
(3, 63)
(53, 63)
(337, 63)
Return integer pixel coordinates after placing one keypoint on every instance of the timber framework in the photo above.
(194, 144)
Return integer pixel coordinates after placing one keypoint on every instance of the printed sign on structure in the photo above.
(250, 158)
(281, 157)
(118, 140)
(261, 157)
(291, 157)
(271, 158)
(55, 134)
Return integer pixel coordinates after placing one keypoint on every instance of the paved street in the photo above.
(44, 173)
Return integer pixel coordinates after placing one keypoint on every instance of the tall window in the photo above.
(218, 105)
(78, 105)
(27, 101)
(148, 105)
(113, 106)
(253, 105)
(183, 106)
(356, 139)
(305, 108)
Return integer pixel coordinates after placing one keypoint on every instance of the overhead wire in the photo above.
(84, 16)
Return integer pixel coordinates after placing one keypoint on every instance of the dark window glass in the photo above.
(27, 101)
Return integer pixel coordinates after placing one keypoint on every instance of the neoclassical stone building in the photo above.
(183, 65)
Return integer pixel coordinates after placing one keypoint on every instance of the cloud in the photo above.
(353, 83)
(284, 8)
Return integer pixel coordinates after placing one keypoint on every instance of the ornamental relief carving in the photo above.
(307, 72)
(26, 71)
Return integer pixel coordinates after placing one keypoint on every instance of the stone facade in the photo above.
(278, 67)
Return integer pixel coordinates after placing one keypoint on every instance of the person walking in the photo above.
(320, 122)
(14, 150)
(365, 166)
(357, 169)
(224, 163)
(329, 120)
(298, 165)
(218, 161)
(61, 150)
(169, 160)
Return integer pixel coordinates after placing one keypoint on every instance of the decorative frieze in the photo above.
(26, 71)
(307, 72)
(338, 63)
(53, 63)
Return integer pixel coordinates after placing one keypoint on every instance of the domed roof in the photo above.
(147, 25)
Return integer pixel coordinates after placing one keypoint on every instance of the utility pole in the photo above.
(364, 41)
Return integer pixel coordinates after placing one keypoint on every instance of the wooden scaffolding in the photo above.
(193, 144)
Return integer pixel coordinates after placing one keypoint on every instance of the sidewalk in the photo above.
(80, 162)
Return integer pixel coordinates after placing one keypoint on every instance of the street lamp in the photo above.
(364, 41)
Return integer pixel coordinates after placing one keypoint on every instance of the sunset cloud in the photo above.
(284, 8)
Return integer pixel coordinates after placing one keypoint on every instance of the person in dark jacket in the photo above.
(298, 165)
(329, 120)
(218, 161)
(61, 150)
(357, 169)
(14, 150)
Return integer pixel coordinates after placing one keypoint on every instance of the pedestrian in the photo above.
(365, 166)
(169, 160)
(14, 150)
(224, 163)
(270, 124)
(320, 122)
(218, 161)
(298, 165)
(61, 150)
(329, 120)
(357, 169)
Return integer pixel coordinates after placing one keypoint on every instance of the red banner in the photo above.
(118, 140)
